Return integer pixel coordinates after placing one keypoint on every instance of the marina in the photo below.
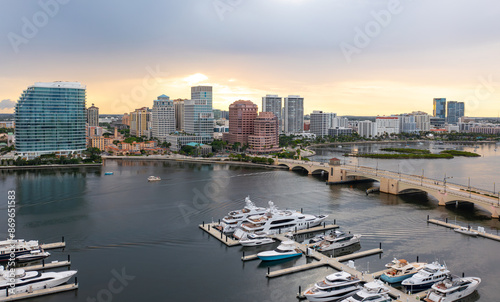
(53, 246)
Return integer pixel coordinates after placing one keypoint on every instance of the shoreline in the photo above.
(398, 142)
(49, 166)
(193, 160)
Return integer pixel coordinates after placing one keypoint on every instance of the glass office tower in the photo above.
(50, 118)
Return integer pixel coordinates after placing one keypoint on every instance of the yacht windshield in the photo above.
(356, 297)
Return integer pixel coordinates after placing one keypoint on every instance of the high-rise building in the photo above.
(367, 129)
(322, 121)
(241, 121)
(439, 107)
(51, 118)
(423, 121)
(265, 137)
(293, 114)
(179, 114)
(93, 116)
(126, 119)
(163, 117)
(387, 125)
(198, 114)
(407, 123)
(455, 111)
(140, 122)
(272, 103)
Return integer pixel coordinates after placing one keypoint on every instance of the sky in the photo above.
(352, 57)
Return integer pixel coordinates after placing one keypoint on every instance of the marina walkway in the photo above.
(41, 292)
(455, 226)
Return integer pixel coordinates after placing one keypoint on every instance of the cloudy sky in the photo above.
(353, 57)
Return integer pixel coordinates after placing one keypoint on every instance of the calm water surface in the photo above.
(150, 230)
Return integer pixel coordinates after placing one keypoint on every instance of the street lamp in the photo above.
(444, 181)
(470, 192)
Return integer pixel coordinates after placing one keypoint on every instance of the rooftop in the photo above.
(60, 84)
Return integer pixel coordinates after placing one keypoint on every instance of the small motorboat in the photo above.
(374, 291)
(335, 287)
(452, 289)
(154, 178)
(108, 173)
(316, 239)
(401, 270)
(285, 250)
(32, 256)
(257, 238)
(426, 277)
(466, 231)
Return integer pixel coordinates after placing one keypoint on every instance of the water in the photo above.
(150, 230)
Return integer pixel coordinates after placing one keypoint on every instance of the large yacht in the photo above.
(18, 247)
(233, 219)
(426, 277)
(401, 270)
(276, 221)
(335, 287)
(452, 289)
(374, 291)
(336, 240)
(30, 281)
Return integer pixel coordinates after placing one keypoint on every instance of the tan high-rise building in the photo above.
(241, 121)
(126, 119)
(140, 122)
(93, 116)
(265, 137)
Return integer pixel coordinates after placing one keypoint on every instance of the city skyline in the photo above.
(350, 57)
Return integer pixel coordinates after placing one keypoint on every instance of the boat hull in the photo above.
(395, 279)
(255, 242)
(325, 296)
(278, 257)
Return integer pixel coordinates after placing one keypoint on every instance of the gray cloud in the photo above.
(7, 104)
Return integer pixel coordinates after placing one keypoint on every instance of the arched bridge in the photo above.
(398, 183)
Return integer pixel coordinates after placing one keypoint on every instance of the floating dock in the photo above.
(45, 266)
(52, 246)
(41, 292)
(454, 226)
(210, 228)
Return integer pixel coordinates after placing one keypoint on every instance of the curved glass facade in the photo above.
(50, 118)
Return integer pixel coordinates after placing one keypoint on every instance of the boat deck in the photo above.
(454, 226)
(41, 292)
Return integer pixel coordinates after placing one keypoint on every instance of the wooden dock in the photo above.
(454, 226)
(52, 246)
(45, 266)
(227, 240)
(324, 227)
(41, 292)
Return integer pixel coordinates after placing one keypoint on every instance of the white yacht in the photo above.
(337, 240)
(154, 178)
(452, 289)
(18, 247)
(466, 231)
(276, 221)
(257, 238)
(30, 281)
(426, 277)
(335, 287)
(374, 291)
(32, 256)
(233, 219)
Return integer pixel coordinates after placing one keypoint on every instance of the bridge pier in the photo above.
(389, 186)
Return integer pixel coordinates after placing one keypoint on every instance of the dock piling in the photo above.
(335, 221)
(300, 290)
(463, 274)
(427, 217)
(446, 220)
(380, 245)
(69, 258)
(417, 258)
(62, 239)
(76, 280)
(204, 221)
(221, 235)
(268, 270)
(301, 210)
(43, 262)
(219, 221)
(226, 238)
(209, 227)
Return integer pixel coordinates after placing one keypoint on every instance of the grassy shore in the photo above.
(460, 153)
(408, 153)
